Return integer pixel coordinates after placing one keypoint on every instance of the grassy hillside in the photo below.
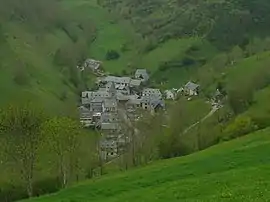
(224, 23)
(30, 39)
(167, 39)
(236, 171)
(76, 29)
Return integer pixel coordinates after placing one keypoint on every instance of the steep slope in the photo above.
(236, 170)
(29, 41)
(224, 23)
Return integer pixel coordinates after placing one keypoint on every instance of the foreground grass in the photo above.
(233, 171)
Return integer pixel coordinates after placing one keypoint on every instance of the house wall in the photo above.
(96, 107)
(146, 106)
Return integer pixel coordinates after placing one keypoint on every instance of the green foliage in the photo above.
(62, 136)
(236, 54)
(233, 171)
(22, 136)
(41, 155)
(21, 76)
(112, 55)
(240, 99)
(225, 24)
(242, 125)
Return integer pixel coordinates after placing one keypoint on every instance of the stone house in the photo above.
(157, 104)
(88, 96)
(110, 105)
(94, 65)
(125, 90)
(135, 83)
(109, 118)
(133, 103)
(191, 89)
(118, 80)
(96, 104)
(170, 95)
(86, 116)
(110, 88)
(109, 149)
(152, 92)
(142, 75)
(110, 130)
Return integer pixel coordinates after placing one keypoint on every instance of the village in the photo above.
(119, 101)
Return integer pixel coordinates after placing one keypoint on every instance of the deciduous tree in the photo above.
(63, 139)
(20, 127)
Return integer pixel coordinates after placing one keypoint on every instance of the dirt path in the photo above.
(213, 110)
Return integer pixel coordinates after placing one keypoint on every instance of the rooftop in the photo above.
(143, 73)
(191, 86)
(109, 126)
(135, 82)
(110, 103)
(151, 92)
(94, 64)
(116, 79)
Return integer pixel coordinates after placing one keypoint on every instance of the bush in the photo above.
(188, 61)
(261, 120)
(9, 192)
(21, 76)
(112, 55)
(63, 96)
(242, 125)
(124, 72)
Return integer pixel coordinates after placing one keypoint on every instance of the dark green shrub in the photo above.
(112, 55)
(188, 61)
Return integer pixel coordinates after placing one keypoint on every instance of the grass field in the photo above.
(45, 81)
(232, 171)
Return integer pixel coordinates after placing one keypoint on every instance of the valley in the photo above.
(195, 54)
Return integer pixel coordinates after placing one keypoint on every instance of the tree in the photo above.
(112, 55)
(63, 139)
(171, 144)
(242, 125)
(240, 98)
(150, 128)
(236, 54)
(20, 127)
(255, 46)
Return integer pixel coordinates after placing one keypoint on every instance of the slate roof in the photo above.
(110, 103)
(135, 82)
(152, 92)
(155, 103)
(134, 101)
(122, 97)
(108, 143)
(108, 117)
(97, 100)
(84, 112)
(191, 86)
(116, 79)
(143, 73)
(93, 64)
(93, 94)
(109, 126)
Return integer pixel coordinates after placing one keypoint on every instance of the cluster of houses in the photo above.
(100, 109)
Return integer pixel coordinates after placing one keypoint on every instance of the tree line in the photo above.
(43, 153)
